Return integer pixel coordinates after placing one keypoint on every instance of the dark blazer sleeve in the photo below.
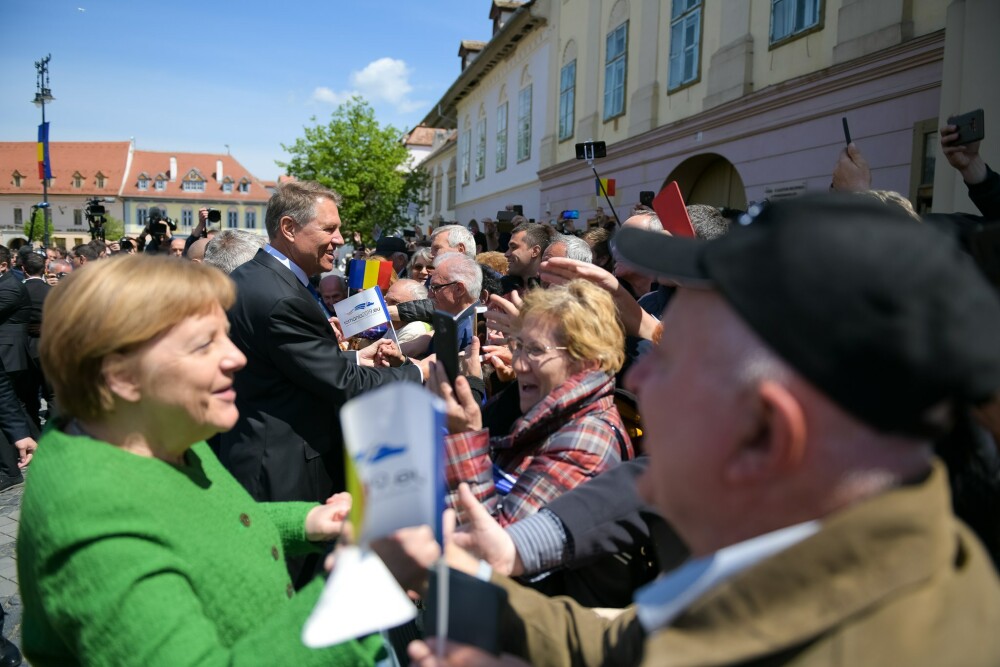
(986, 195)
(312, 359)
(606, 515)
(421, 310)
(13, 421)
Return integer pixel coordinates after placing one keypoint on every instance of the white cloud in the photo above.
(383, 80)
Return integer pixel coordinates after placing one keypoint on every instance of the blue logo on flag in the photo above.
(362, 306)
(378, 453)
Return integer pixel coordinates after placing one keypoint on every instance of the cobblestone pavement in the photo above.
(10, 513)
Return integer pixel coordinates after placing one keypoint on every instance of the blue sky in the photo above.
(194, 76)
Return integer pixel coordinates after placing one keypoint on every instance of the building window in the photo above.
(481, 149)
(524, 124)
(227, 187)
(685, 42)
(143, 183)
(926, 144)
(567, 100)
(194, 186)
(17, 180)
(141, 216)
(452, 186)
(615, 62)
(466, 156)
(100, 181)
(77, 180)
(251, 219)
(232, 219)
(791, 17)
(244, 186)
(78, 217)
(18, 217)
(161, 184)
(187, 217)
(437, 194)
(502, 137)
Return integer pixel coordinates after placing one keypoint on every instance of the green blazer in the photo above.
(896, 580)
(128, 560)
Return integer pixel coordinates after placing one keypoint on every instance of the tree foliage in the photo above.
(36, 232)
(365, 162)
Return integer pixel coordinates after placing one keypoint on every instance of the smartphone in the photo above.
(570, 215)
(847, 130)
(452, 334)
(971, 127)
(646, 198)
(589, 150)
(474, 609)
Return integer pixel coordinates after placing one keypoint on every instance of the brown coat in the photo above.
(896, 580)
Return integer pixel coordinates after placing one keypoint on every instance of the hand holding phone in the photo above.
(969, 127)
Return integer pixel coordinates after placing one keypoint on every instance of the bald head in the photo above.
(405, 290)
(333, 289)
(196, 251)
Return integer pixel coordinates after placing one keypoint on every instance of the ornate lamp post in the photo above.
(43, 94)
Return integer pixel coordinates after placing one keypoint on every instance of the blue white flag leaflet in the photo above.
(394, 438)
(361, 312)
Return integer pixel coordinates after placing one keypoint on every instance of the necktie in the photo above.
(319, 300)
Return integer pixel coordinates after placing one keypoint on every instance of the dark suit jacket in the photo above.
(287, 443)
(37, 291)
(15, 312)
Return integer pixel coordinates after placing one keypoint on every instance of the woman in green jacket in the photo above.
(136, 547)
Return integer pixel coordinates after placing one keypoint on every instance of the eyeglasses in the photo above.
(532, 352)
(419, 267)
(434, 288)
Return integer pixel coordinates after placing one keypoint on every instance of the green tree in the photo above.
(38, 233)
(114, 229)
(365, 162)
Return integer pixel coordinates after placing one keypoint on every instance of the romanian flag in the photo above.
(366, 273)
(608, 185)
(44, 166)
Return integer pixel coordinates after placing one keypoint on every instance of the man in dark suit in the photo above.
(15, 312)
(287, 443)
(33, 265)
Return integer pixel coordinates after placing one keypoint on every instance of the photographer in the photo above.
(159, 229)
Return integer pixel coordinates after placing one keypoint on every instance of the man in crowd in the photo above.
(819, 522)
(333, 289)
(58, 269)
(456, 284)
(232, 248)
(632, 280)
(567, 245)
(196, 251)
(84, 253)
(405, 291)
(33, 265)
(452, 238)
(15, 314)
(524, 253)
(287, 443)
(176, 247)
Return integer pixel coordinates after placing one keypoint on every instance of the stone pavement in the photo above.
(10, 512)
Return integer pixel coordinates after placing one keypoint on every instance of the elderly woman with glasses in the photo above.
(566, 347)
(136, 546)
(421, 265)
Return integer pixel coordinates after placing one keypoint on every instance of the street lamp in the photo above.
(43, 94)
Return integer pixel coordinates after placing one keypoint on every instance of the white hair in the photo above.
(457, 234)
(464, 270)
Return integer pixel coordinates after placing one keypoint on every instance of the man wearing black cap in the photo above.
(807, 362)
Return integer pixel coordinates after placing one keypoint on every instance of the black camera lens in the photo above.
(214, 215)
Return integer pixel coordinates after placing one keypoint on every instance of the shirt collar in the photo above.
(299, 273)
(663, 600)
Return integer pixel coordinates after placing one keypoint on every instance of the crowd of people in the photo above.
(775, 443)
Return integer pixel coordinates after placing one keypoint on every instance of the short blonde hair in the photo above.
(495, 260)
(588, 321)
(115, 306)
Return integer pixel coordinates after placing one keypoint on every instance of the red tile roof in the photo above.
(420, 136)
(157, 164)
(90, 158)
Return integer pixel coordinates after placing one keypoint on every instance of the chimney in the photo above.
(173, 169)
(218, 171)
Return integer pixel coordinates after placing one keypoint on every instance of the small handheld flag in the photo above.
(608, 186)
(367, 273)
(670, 208)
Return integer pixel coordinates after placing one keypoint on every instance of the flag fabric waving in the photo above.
(44, 166)
(366, 273)
(608, 186)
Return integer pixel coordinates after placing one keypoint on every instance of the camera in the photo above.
(96, 218)
(646, 198)
(158, 223)
(589, 150)
(214, 215)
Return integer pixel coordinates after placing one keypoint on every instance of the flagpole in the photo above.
(43, 94)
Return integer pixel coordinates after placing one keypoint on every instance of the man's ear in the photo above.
(287, 228)
(121, 376)
(463, 248)
(778, 440)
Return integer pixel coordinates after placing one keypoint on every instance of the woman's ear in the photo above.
(121, 375)
(777, 442)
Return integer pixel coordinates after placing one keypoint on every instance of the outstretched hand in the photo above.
(965, 158)
(461, 407)
(851, 173)
(325, 522)
(481, 535)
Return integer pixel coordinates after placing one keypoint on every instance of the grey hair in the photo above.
(297, 200)
(651, 221)
(576, 248)
(463, 270)
(458, 234)
(232, 247)
(418, 291)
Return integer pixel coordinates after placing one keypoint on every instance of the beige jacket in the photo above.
(896, 580)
